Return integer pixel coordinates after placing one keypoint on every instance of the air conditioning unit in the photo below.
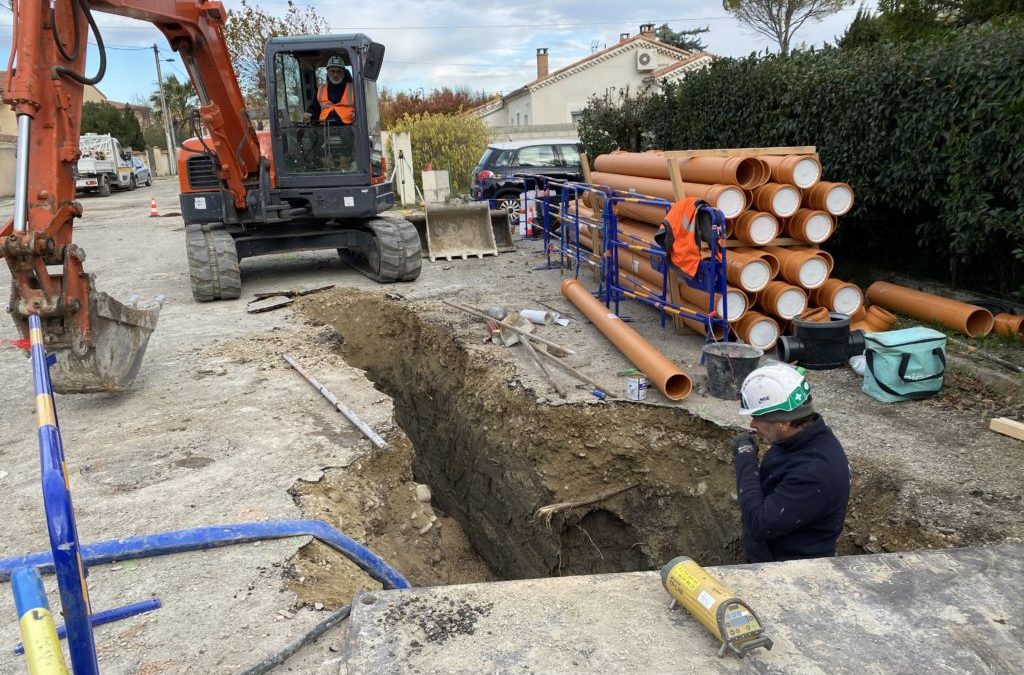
(646, 59)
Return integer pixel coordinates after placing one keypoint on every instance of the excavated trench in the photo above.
(648, 482)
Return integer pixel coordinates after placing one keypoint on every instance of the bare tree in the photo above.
(780, 19)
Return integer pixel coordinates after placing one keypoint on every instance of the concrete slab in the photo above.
(935, 611)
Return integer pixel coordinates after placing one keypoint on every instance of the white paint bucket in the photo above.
(636, 387)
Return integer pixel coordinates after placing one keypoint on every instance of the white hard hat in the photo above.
(335, 62)
(776, 392)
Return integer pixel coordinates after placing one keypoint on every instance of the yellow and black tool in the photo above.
(729, 619)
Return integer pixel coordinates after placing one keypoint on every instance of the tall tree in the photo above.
(684, 39)
(181, 101)
(246, 32)
(781, 19)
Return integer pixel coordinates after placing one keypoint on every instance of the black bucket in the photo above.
(728, 364)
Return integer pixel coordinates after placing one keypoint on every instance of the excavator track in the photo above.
(212, 263)
(394, 255)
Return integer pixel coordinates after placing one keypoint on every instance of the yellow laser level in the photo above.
(729, 619)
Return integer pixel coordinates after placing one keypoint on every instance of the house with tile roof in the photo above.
(555, 99)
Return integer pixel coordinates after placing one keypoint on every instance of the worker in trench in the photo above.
(334, 111)
(793, 504)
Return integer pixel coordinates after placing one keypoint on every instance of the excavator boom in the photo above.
(99, 342)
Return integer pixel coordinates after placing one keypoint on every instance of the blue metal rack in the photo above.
(559, 205)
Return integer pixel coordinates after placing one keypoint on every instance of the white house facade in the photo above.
(555, 99)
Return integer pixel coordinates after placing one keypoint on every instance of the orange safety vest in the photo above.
(678, 235)
(346, 107)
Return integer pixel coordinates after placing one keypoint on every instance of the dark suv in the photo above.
(493, 176)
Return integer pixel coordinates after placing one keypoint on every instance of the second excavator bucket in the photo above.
(459, 231)
(120, 335)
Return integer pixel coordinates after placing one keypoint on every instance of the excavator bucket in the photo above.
(120, 334)
(502, 227)
(459, 231)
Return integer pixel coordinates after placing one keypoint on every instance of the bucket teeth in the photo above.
(120, 335)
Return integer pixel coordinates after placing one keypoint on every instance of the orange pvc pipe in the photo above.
(836, 198)
(699, 326)
(803, 171)
(662, 373)
(970, 320)
(756, 228)
(782, 300)
(1009, 324)
(810, 225)
(746, 172)
(840, 296)
(778, 198)
(729, 198)
(879, 319)
(803, 268)
(816, 314)
(757, 329)
(772, 261)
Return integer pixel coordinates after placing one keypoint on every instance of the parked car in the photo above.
(494, 175)
(141, 172)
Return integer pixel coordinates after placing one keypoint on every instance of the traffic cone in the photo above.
(152, 208)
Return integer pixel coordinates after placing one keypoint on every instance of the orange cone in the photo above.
(152, 208)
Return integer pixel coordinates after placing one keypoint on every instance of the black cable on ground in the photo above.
(276, 659)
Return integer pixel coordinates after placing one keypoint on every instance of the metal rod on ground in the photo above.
(543, 368)
(342, 408)
(583, 378)
(480, 315)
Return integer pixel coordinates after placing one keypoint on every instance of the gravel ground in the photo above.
(210, 434)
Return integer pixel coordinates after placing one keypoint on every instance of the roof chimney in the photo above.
(542, 63)
(647, 30)
(623, 37)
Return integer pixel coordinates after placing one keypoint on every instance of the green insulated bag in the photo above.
(904, 365)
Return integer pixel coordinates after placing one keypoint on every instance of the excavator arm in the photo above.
(99, 341)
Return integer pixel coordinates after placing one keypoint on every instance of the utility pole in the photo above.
(172, 158)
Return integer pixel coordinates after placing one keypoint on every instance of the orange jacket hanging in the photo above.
(680, 235)
(345, 107)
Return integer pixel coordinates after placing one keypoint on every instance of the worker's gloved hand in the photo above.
(743, 444)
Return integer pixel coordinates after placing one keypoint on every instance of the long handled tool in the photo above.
(342, 408)
(540, 364)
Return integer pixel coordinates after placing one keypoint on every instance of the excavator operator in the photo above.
(335, 99)
(332, 113)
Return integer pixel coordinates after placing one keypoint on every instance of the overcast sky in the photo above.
(432, 43)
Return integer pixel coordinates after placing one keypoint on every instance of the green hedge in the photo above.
(929, 134)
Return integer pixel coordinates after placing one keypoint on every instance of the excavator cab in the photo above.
(322, 179)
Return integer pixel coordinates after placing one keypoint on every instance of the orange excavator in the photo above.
(306, 183)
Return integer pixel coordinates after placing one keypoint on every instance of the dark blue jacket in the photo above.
(795, 505)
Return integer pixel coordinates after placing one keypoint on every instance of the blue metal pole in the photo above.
(60, 515)
(109, 616)
(202, 538)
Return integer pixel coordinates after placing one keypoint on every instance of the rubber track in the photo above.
(212, 263)
(398, 245)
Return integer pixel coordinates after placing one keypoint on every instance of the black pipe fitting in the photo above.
(821, 345)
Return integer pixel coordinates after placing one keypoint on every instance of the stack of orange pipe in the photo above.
(779, 211)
